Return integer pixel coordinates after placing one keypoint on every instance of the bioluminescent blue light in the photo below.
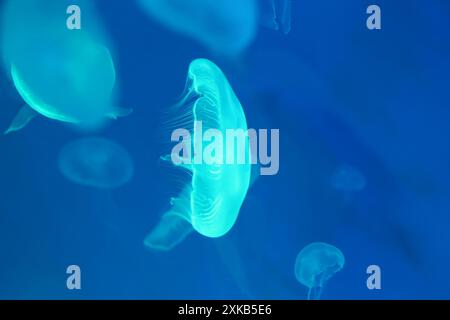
(65, 75)
(212, 197)
(224, 26)
(96, 162)
(316, 264)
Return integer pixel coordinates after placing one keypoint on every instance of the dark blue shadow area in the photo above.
(340, 95)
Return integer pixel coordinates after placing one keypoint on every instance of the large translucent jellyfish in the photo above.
(224, 26)
(96, 162)
(211, 199)
(276, 14)
(316, 264)
(65, 75)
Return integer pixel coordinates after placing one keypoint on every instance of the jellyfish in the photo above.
(348, 180)
(225, 26)
(65, 75)
(276, 14)
(316, 264)
(96, 162)
(213, 194)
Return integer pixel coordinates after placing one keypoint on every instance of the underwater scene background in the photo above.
(364, 159)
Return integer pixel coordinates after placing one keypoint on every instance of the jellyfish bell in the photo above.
(96, 162)
(212, 198)
(52, 67)
(316, 264)
(224, 26)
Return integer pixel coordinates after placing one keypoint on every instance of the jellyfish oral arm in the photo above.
(314, 293)
(22, 118)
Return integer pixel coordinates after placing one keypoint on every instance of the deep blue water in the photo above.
(340, 95)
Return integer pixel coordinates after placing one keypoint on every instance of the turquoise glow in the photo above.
(224, 26)
(96, 162)
(52, 67)
(212, 199)
(316, 264)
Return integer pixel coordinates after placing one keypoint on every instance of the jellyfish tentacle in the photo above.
(170, 231)
(286, 16)
(315, 292)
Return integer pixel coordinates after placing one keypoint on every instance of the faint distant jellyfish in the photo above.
(96, 162)
(65, 75)
(348, 180)
(316, 264)
(276, 14)
(224, 26)
(211, 200)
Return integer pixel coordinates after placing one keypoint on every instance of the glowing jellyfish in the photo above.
(96, 162)
(224, 26)
(211, 200)
(65, 75)
(348, 179)
(316, 264)
(276, 14)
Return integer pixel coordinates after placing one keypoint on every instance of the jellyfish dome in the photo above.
(96, 162)
(224, 26)
(316, 264)
(51, 66)
(213, 196)
(348, 179)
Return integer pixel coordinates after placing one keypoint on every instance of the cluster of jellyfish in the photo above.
(40, 59)
(47, 56)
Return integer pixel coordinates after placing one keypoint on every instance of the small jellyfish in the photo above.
(316, 264)
(212, 196)
(52, 66)
(348, 179)
(96, 162)
(224, 26)
(276, 14)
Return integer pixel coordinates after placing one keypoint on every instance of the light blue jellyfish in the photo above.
(316, 264)
(96, 162)
(224, 26)
(348, 180)
(212, 198)
(276, 14)
(65, 75)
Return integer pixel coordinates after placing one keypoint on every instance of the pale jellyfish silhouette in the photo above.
(211, 200)
(316, 264)
(224, 26)
(276, 14)
(65, 75)
(348, 180)
(96, 162)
